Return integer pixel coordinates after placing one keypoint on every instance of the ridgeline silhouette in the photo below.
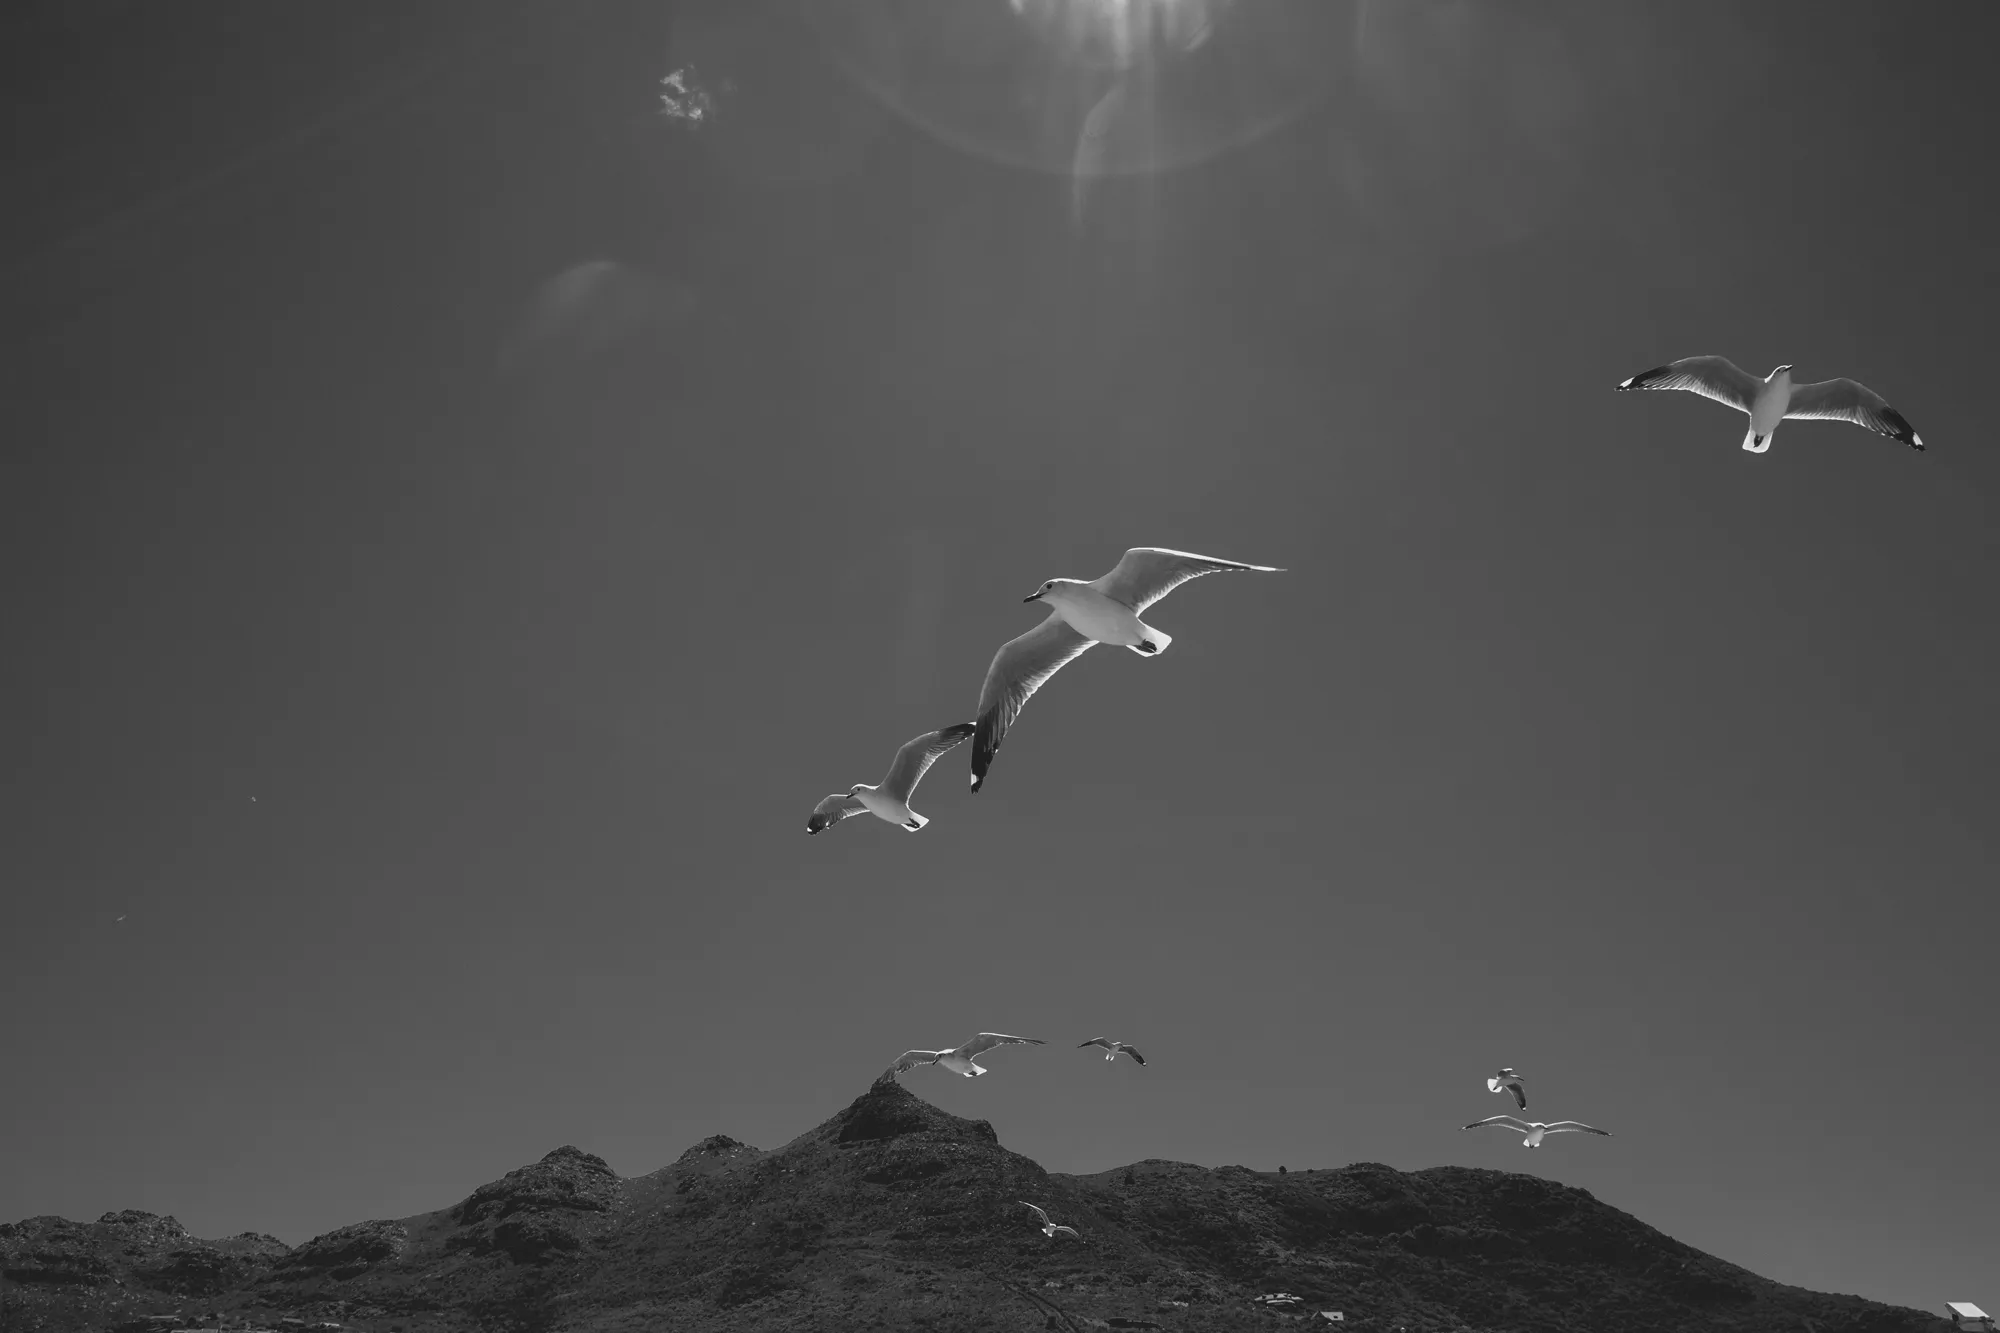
(895, 1215)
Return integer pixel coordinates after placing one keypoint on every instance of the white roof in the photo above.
(1966, 1310)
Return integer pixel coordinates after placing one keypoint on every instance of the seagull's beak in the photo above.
(1035, 597)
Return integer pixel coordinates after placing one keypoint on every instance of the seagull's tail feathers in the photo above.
(983, 747)
(1755, 443)
(1153, 644)
(985, 744)
(916, 822)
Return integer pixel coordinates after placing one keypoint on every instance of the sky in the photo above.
(460, 517)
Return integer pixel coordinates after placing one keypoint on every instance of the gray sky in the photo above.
(434, 648)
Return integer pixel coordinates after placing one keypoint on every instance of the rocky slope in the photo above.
(895, 1215)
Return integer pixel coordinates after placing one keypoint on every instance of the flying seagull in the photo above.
(1534, 1129)
(891, 800)
(1774, 398)
(962, 1060)
(1049, 1228)
(1104, 610)
(1112, 1048)
(1511, 1081)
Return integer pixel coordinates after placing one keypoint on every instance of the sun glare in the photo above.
(1117, 34)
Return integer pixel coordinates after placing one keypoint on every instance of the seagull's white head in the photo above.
(1054, 588)
(1781, 370)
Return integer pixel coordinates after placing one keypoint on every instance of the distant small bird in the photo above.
(960, 1059)
(1113, 1048)
(1510, 1081)
(1049, 1228)
(1534, 1129)
(121, 916)
(1774, 398)
(891, 800)
(1104, 610)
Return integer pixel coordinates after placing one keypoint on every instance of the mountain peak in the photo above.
(888, 1110)
(588, 1161)
(715, 1145)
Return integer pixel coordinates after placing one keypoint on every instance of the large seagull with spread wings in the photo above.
(891, 800)
(1774, 398)
(1049, 1228)
(960, 1059)
(1104, 610)
(1535, 1129)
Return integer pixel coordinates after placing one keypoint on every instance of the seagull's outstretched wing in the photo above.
(1507, 1120)
(1714, 377)
(832, 810)
(1844, 400)
(986, 1041)
(1105, 1042)
(1145, 574)
(1053, 1229)
(909, 1060)
(1132, 1051)
(1038, 1212)
(1573, 1127)
(916, 757)
(1018, 670)
(1520, 1095)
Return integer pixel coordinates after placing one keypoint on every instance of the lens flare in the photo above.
(1108, 87)
(1117, 34)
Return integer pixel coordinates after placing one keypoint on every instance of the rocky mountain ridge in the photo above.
(893, 1214)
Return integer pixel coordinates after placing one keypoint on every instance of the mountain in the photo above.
(896, 1215)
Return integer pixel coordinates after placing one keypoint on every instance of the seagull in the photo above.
(891, 800)
(1104, 610)
(1774, 398)
(1511, 1081)
(1534, 1129)
(1112, 1048)
(961, 1060)
(1049, 1228)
